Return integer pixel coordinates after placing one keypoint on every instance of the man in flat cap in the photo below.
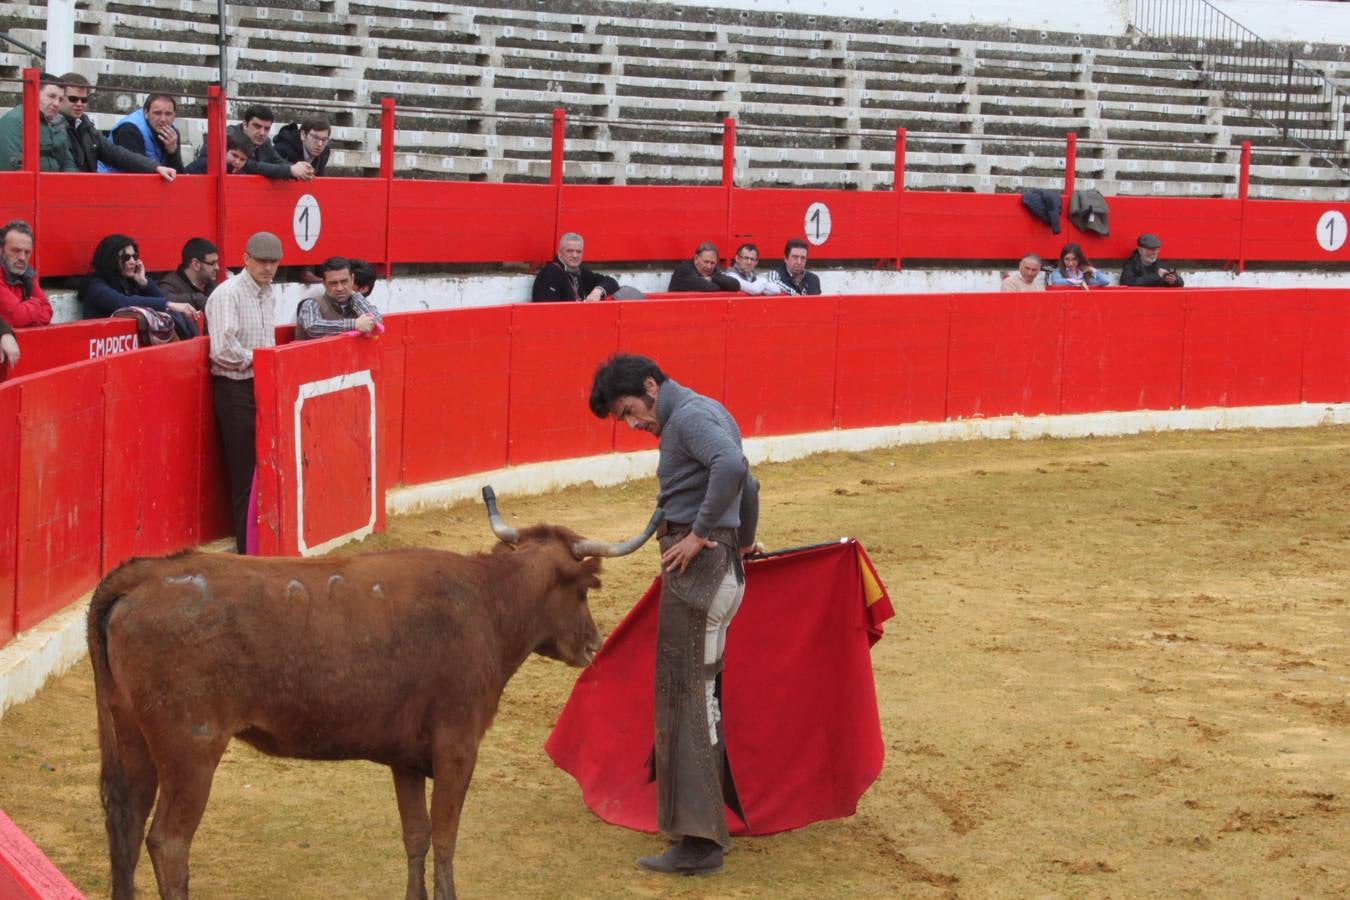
(1144, 269)
(239, 318)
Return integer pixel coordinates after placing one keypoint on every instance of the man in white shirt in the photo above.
(743, 270)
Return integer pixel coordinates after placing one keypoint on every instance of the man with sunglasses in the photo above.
(87, 142)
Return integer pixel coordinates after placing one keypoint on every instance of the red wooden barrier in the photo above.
(642, 222)
(1122, 351)
(554, 350)
(25, 872)
(1005, 354)
(9, 508)
(1243, 348)
(892, 361)
(456, 221)
(780, 364)
(61, 478)
(60, 345)
(455, 394)
(318, 444)
(1326, 374)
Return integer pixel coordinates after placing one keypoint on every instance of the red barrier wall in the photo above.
(60, 345)
(408, 221)
(93, 470)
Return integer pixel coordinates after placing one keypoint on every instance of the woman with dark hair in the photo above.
(1076, 270)
(119, 281)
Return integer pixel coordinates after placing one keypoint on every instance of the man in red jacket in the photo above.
(22, 302)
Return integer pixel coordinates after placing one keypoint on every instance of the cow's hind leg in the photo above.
(453, 769)
(184, 788)
(127, 786)
(411, 789)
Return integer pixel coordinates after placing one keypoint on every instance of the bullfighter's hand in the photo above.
(678, 556)
(753, 550)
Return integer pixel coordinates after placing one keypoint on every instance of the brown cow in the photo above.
(397, 657)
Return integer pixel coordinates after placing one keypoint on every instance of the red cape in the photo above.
(799, 704)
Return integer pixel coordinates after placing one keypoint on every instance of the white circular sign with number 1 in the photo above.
(306, 221)
(817, 223)
(1331, 230)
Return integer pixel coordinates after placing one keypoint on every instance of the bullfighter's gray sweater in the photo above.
(705, 477)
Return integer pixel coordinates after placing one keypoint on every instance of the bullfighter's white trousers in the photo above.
(723, 609)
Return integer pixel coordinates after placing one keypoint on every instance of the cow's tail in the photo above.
(124, 756)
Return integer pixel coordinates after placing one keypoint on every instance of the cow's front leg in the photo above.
(411, 789)
(453, 768)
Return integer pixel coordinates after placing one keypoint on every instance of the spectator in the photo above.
(743, 270)
(1027, 277)
(239, 316)
(364, 277)
(195, 278)
(237, 149)
(306, 142)
(9, 346)
(700, 273)
(1076, 269)
(88, 145)
(54, 152)
(565, 278)
(265, 160)
(1144, 269)
(22, 302)
(150, 132)
(119, 281)
(341, 308)
(792, 276)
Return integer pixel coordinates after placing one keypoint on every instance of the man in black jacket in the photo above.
(700, 273)
(255, 125)
(307, 141)
(1144, 269)
(565, 278)
(791, 275)
(88, 144)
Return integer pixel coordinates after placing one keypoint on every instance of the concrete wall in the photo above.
(1321, 21)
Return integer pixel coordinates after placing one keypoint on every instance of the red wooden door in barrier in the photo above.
(455, 394)
(1005, 355)
(318, 444)
(892, 364)
(1122, 350)
(686, 337)
(9, 507)
(61, 495)
(555, 348)
(781, 364)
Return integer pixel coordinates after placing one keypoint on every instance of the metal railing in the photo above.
(36, 54)
(1304, 107)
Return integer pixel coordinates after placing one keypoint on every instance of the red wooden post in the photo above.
(1244, 185)
(728, 183)
(898, 185)
(215, 156)
(555, 168)
(32, 161)
(387, 173)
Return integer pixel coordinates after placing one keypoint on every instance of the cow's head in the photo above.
(570, 633)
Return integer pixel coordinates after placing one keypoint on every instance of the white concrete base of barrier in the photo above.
(42, 652)
(614, 468)
(59, 643)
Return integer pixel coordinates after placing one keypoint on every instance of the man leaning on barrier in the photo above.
(791, 274)
(89, 145)
(150, 131)
(54, 151)
(309, 141)
(255, 124)
(340, 309)
(565, 278)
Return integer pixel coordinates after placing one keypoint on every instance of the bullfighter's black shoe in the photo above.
(691, 856)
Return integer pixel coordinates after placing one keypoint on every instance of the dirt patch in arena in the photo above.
(1118, 667)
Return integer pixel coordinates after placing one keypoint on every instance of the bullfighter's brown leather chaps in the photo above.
(693, 777)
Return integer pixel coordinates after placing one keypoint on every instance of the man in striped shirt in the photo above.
(339, 309)
(239, 318)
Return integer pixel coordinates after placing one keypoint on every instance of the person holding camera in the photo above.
(1144, 269)
(1076, 270)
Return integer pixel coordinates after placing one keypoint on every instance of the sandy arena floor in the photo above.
(1118, 668)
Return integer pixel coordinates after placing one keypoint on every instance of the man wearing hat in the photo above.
(1144, 269)
(239, 318)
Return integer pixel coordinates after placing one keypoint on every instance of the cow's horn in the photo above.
(584, 548)
(499, 528)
